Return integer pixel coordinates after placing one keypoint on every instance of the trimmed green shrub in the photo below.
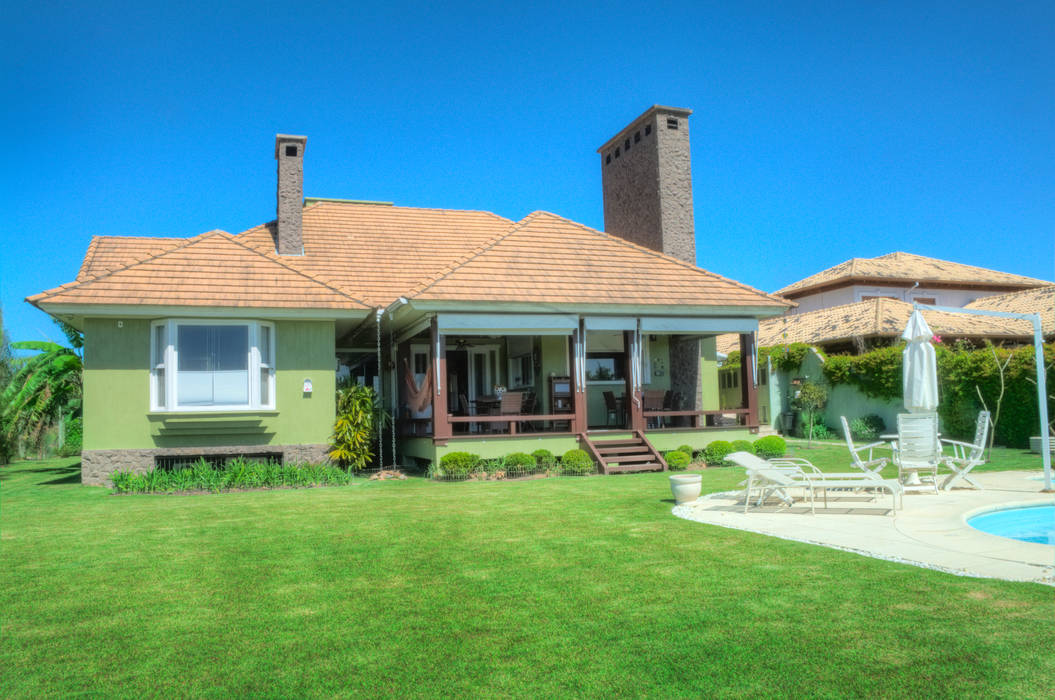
(822, 432)
(743, 446)
(687, 450)
(459, 464)
(770, 446)
(490, 466)
(714, 454)
(576, 462)
(677, 460)
(544, 459)
(867, 428)
(520, 462)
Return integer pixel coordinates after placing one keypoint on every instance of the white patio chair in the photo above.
(780, 476)
(868, 465)
(967, 456)
(917, 449)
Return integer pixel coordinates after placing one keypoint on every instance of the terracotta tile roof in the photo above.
(377, 253)
(909, 268)
(108, 253)
(213, 269)
(1031, 301)
(871, 319)
(549, 259)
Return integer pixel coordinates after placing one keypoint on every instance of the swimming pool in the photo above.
(1026, 523)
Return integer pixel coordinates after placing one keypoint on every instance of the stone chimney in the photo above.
(289, 152)
(647, 180)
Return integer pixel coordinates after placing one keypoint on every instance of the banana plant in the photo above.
(44, 391)
(360, 419)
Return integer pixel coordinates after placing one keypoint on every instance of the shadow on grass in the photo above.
(71, 475)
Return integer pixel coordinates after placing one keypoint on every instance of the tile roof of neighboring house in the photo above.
(108, 253)
(213, 269)
(1031, 301)
(547, 258)
(377, 253)
(908, 268)
(870, 319)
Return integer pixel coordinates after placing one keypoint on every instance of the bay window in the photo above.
(199, 365)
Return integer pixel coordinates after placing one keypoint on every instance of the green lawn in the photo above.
(551, 587)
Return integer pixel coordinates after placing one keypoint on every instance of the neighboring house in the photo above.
(902, 277)
(223, 344)
(866, 302)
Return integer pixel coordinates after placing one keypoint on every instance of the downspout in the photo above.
(380, 386)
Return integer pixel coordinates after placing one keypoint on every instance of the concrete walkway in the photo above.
(930, 531)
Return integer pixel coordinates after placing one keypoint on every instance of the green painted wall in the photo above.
(117, 393)
(709, 373)
(697, 440)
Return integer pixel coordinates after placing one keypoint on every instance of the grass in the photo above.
(553, 587)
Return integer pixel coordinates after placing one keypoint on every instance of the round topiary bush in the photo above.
(743, 446)
(520, 462)
(544, 459)
(458, 465)
(576, 462)
(677, 460)
(770, 446)
(687, 450)
(714, 454)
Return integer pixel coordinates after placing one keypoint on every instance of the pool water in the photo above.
(1028, 523)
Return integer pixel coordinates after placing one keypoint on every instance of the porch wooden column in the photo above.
(748, 390)
(634, 407)
(578, 391)
(441, 424)
(402, 419)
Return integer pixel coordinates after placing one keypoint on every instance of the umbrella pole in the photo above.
(1042, 396)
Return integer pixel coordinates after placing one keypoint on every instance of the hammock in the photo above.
(417, 398)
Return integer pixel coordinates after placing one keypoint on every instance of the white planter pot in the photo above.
(686, 487)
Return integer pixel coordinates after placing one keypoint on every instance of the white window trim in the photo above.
(171, 364)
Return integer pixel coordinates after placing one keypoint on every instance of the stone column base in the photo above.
(98, 465)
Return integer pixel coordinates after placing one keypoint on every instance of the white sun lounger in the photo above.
(780, 476)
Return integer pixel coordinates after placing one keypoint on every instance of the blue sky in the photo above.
(821, 132)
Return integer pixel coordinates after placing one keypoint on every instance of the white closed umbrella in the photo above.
(920, 367)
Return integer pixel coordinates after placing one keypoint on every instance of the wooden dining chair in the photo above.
(512, 402)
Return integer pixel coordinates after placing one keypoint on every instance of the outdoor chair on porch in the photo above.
(527, 408)
(611, 406)
(652, 400)
(967, 456)
(511, 405)
(862, 455)
(464, 410)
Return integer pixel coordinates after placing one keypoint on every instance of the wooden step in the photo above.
(621, 450)
(616, 443)
(629, 468)
(626, 459)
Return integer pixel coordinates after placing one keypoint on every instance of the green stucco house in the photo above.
(479, 333)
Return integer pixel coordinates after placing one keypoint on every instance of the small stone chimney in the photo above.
(289, 152)
(646, 175)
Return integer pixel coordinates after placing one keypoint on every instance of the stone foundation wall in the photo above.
(98, 465)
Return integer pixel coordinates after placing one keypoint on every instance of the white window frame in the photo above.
(170, 365)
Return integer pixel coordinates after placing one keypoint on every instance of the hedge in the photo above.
(961, 368)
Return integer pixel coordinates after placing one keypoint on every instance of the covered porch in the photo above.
(465, 380)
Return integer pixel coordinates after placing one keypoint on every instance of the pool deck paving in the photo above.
(930, 530)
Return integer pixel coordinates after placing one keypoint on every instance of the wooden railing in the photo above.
(509, 422)
(698, 419)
